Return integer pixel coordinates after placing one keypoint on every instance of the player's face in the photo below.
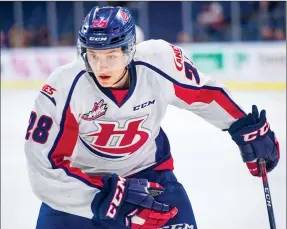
(107, 65)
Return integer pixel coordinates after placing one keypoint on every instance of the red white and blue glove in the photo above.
(256, 141)
(130, 202)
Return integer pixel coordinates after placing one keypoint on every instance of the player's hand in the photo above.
(130, 203)
(255, 140)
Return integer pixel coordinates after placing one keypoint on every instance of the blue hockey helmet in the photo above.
(108, 28)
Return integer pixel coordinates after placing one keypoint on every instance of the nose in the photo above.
(102, 65)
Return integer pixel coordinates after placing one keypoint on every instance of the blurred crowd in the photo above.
(32, 37)
(261, 20)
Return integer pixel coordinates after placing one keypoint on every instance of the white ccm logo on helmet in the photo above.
(178, 226)
(98, 38)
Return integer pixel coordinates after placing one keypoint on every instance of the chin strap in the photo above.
(122, 76)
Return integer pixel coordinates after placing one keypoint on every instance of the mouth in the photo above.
(104, 77)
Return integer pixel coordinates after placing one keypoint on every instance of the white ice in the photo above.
(223, 193)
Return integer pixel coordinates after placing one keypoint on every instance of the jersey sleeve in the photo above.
(187, 88)
(50, 140)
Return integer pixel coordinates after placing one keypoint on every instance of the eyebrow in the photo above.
(112, 51)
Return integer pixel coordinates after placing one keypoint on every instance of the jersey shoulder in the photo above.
(64, 76)
(151, 49)
(170, 62)
(160, 54)
(59, 84)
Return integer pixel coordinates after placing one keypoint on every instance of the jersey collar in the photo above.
(133, 81)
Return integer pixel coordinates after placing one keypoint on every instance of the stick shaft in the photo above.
(267, 194)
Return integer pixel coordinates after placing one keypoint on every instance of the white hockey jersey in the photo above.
(78, 131)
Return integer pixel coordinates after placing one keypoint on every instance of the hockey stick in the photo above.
(269, 205)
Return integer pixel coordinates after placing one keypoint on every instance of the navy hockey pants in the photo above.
(174, 195)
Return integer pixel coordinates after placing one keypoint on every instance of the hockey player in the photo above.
(97, 156)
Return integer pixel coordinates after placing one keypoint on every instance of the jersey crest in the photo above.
(98, 110)
(116, 142)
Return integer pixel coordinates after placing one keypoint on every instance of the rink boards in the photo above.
(241, 66)
(278, 86)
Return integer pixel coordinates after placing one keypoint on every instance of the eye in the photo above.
(94, 56)
(111, 57)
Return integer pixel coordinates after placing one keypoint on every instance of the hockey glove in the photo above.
(255, 140)
(129, 202)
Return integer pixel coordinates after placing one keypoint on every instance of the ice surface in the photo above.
(223, 193)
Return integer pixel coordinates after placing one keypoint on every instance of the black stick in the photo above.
(267, 193)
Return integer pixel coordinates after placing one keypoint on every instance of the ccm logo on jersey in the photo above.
(144, 105)
(178, 59)
(98, 110)
(253, 135)
(178, 226)
(48, 91)
(117, 199)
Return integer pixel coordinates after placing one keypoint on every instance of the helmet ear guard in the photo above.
(83, 53)
(130, 50)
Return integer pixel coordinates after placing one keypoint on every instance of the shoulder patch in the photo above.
(49, 91)
(177, 56)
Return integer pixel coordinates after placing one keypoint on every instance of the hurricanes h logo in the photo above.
(113, 141)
